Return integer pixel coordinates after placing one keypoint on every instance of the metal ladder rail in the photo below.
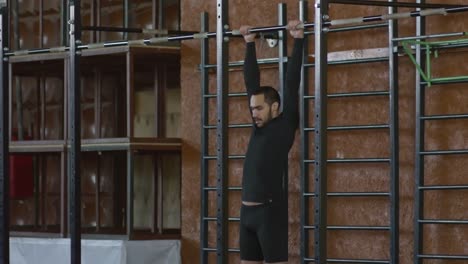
(420, 152)
(221, 156)
(205, 188)
(422, 188)
(4, 138)
(393, 160)
(204, 249)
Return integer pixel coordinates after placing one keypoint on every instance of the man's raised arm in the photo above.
(293, 74)
(251, 70)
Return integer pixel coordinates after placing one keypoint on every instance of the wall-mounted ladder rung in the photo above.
(213, 219)
(229, 95)
(443, 221)
(359, 160)
(449, 81)
(433, 256)
(368, 228)
(212, 188)
(212, 127)
(363, 160)
(351, 228)
(351, 61)
(350, 194)
(229, 157)
(444, 152)
(353, 94)
(444, 117)
(359, 27)
(356, 127)
(443, 187)
(357, 194)
(241, 63)
(357, 261)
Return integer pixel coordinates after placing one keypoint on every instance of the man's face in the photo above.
(261, 111)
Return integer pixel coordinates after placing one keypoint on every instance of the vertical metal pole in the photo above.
(75, 130)
(321, 50)
(63, 23)
(204, 58)
(130, 192)
(15, 13)
(304, 117)
(157, 94)
(394, 139)
(419, 144)
(161, 14)
(282, 47)
(19, 108)
(19, 91)
(42, 96)
(221, 129)
(97, 190)
(41, 23)
(4, 137)
(159, 193)
(130, 132)
(98, 20)
(97, 102)
(126, 17)
(64, 220)
(153, 13)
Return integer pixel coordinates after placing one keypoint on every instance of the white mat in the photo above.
(57, 251)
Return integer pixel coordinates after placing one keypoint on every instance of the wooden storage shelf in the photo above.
(101, 144)
(135, 144)
(37, 146)
(113, 151)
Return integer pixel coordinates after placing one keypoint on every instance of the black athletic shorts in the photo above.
(264, 232)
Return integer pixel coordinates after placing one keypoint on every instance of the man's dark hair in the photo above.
(270, 93)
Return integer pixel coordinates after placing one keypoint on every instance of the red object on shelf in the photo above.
(21, 176)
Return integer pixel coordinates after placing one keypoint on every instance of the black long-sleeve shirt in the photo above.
(267, 154)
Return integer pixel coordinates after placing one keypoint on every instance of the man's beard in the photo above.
(265, 121)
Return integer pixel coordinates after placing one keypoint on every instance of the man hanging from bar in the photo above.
(264, 211)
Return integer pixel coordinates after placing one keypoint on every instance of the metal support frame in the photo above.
(392, 4)
(430, 48)
(126, 17)
(282, 48)
(304, 117)
(204, 142)
(130, 111)
(75, 132)
(394, 139)
(419, 147)
(420, 220)
(320, 177)
(320, 225)
(444, 10)
(320, 195)
(222, 83)
(222, 127)
(4, 138)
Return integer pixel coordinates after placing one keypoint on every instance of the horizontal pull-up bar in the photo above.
(420, 13)
(392, 4)
(202, 35)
